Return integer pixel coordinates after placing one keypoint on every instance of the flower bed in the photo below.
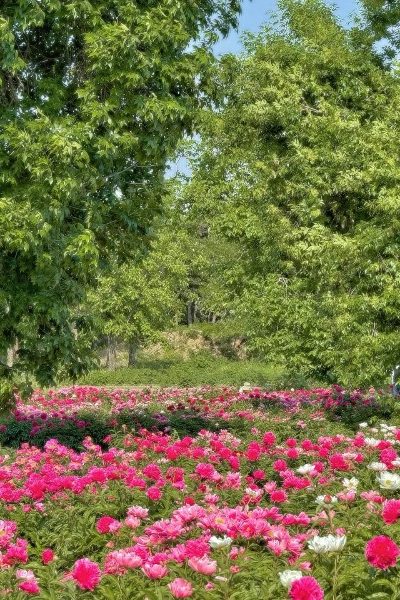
(274, 500)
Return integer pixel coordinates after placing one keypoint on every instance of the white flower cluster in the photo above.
(388, 480)
(350, 484)
(326, 500)
(328, 543)
(216, 542)
(305, 469)
(288, 577)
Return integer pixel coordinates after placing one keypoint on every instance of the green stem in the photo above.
(334, 582)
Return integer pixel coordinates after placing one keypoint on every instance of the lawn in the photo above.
(203, 493)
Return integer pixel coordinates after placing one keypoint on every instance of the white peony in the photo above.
(377, 466)
(328, 543)
(288, 577)
(326, 500)
(217, 542)
(304, 469)
(363, 425)
(372, 442)
(350, 484)
(389, 481)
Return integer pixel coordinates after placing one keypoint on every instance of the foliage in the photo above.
(73, 431)
(300, 168)
(351, 411)
(94, 96)
(136, 300)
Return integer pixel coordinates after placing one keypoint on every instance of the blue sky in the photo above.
(256, 13)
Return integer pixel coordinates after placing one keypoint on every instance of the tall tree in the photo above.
(133, 302)
(94, 97)
(302, 167)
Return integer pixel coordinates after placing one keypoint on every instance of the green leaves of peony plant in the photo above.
(94, 97)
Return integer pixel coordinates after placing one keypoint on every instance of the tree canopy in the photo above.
(301, 169)
(95, 96)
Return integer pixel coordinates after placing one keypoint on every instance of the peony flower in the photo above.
(305, 469)
(382, 552)
(288, 577)
(329, 543)
(154, 493)
(86, 574)
(47, 556)
(306, 588)
(391, 511)
(138, 511)
(204, 565)
(29, 586)
(389, 481)
(180, 588)
(107, 524)
(350, 484)
(377, 466)
(154, 571)
(326, 500)
(278, 496)
(216, 542)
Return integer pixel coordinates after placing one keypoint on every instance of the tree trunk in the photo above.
(133, 347)
(111, 354)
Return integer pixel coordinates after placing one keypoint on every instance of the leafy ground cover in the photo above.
(203, 493)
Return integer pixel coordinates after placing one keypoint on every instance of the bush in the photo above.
(71, 431)
(351, 410)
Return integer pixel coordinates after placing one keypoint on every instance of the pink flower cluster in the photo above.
(197, 506)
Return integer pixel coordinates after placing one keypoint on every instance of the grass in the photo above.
(200, 369)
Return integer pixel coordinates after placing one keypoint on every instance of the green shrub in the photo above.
(353, 413)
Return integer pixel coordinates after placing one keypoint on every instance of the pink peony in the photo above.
(154, 571)
(269, 438)
(180, 588)
(382, 552)
(86, 574)
(204, 565)
(306, 588)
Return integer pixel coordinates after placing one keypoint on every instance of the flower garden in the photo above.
(202, 493)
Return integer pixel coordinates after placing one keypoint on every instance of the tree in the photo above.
(134, 302)
(94, 97)
(301, 166)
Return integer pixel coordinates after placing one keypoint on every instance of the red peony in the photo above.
(278, 496)
(391, 511)
(154, 493)
(269, 438)
(29, 587)
(306, 588)
(86, 574)
(107, 524)
(382, 552)
(47, 556)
